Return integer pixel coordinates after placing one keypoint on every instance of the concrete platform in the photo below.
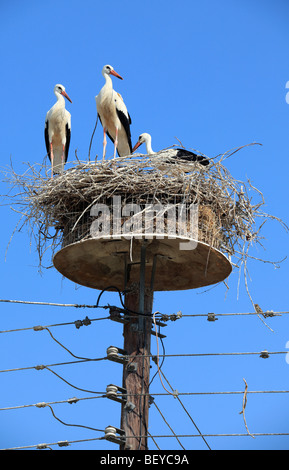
(102, 262)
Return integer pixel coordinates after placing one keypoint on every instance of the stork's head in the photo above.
(143, 138)
(60, 90)
(109, 70)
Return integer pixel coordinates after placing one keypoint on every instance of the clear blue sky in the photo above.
(212, 74)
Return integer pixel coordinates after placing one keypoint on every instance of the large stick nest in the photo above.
(56, 211)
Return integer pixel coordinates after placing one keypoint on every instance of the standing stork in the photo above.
(57, 131)
(113, 115)
(175, 155)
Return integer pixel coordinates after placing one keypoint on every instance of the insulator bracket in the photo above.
(110, 434)
(112, 393)
(113, 354)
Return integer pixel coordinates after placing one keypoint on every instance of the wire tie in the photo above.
(41, 446)
(269, 313)
(41, 404)
(63, 443)
(212, 316)
(72, 400)
(176, 316)
(86, 321)
(40, 367)
(264, 354)
(38, 328)
(175, 393)
(78, 324)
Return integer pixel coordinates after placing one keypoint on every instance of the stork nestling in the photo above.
(113, 116)
(178, 155)
(57, 131)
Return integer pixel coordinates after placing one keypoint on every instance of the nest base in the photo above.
(115, 261)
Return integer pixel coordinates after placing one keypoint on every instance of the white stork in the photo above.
(57, 131)
(113, 116)
(175, 155)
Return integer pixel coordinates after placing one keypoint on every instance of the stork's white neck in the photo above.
(149, 145)
(60, 100)
(108, 80)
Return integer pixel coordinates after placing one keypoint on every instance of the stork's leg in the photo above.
(51, 158)
(115, 142)
(62, 159)
(104, 144)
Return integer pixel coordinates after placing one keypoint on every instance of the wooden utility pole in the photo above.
(137, 340)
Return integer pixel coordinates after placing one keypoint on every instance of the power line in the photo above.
(42, 366)
(40, 327)
(41, 404)
(168, 424)
(67, 443)
(269, 313)
(219, 354)
(102, 394)
(264, 354)
(51, 304)
(69, 424)
(258, 353)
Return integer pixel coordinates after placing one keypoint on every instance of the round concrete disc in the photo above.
(102, 262)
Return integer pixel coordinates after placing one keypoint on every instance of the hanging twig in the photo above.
(244, 407)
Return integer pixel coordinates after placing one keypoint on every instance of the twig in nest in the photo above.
(92, 138)
(76, 156)
(227, 215)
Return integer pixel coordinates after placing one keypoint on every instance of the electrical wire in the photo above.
(72, 425)
(259, 353)
(154, 403)
(40, 327)
(42, 366)
(270, 313)
(50, 304)
(175, 393)
(158, 355)
(160, 372)
(254, 353)
(38, 405)
(67, 443)
(102, 394)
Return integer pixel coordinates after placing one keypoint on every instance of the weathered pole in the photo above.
(136, 371)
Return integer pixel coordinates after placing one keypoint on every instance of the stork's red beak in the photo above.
(136, 146)
(66, 96)
(113, 72)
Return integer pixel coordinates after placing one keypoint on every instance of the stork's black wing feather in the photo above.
(47, 143)
(188, 156)
(68, 135)
(125, 121)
